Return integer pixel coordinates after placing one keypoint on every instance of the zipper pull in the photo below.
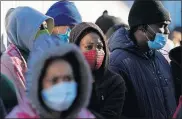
(102, 97)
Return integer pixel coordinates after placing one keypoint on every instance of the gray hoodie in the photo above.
(51, 47)
(22, 25)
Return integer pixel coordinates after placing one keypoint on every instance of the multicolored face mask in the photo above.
(65, 37)
(94, 58)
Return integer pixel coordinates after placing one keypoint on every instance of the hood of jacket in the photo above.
(22, 25)
(50, 48)
(121, 40)
(77, 34)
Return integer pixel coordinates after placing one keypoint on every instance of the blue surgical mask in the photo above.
(65, 37)
(61, 96)
(159, 41)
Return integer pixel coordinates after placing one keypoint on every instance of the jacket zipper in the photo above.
(158, 79)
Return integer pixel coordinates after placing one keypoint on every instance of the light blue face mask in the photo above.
(65, 37)
(159, 41)
(61, 96)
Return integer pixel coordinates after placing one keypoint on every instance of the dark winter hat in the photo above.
(64, 13)
(106, 21)
(147, 12)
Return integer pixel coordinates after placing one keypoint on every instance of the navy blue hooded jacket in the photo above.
(147, 76)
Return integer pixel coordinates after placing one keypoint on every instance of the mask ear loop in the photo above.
(57, 30)
(143, 29)
(151, 29)
(149, 32)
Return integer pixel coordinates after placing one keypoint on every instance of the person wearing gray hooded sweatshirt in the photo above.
(59, 86)
(22, 26)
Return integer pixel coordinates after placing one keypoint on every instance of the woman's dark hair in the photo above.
(70, 58)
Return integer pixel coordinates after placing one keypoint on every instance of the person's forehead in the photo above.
(94, 37)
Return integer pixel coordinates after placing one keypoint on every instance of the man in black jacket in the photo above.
(134, 55)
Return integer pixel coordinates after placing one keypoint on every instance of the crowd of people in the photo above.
(58, 66)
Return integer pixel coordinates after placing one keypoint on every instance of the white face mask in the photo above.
(61, 96)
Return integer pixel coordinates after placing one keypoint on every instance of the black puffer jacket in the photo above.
(109, 88)
(147, 76)
(175, 56)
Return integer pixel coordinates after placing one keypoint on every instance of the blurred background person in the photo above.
(108, 88)
(66, 16)
(176, 36)
(22, 27)
(3, 48)
(175, 56)
(106, 21)
(57, 87)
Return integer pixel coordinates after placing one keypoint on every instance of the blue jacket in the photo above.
(147, 75)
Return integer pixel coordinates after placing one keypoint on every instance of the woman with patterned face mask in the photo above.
(57, 87)
(108, 88)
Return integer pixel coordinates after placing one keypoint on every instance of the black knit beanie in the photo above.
(147, 12)
(106, 21)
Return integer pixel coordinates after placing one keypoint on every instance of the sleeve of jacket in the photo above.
(2, 110)
(115, 100)
(116, 65)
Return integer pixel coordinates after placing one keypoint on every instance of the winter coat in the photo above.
(109, 88)
(7, 93)
(2, 109)
(178, 113)
(32, 106)
(175, 57)
(22, 25)
(147, 76)
(108, 95)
